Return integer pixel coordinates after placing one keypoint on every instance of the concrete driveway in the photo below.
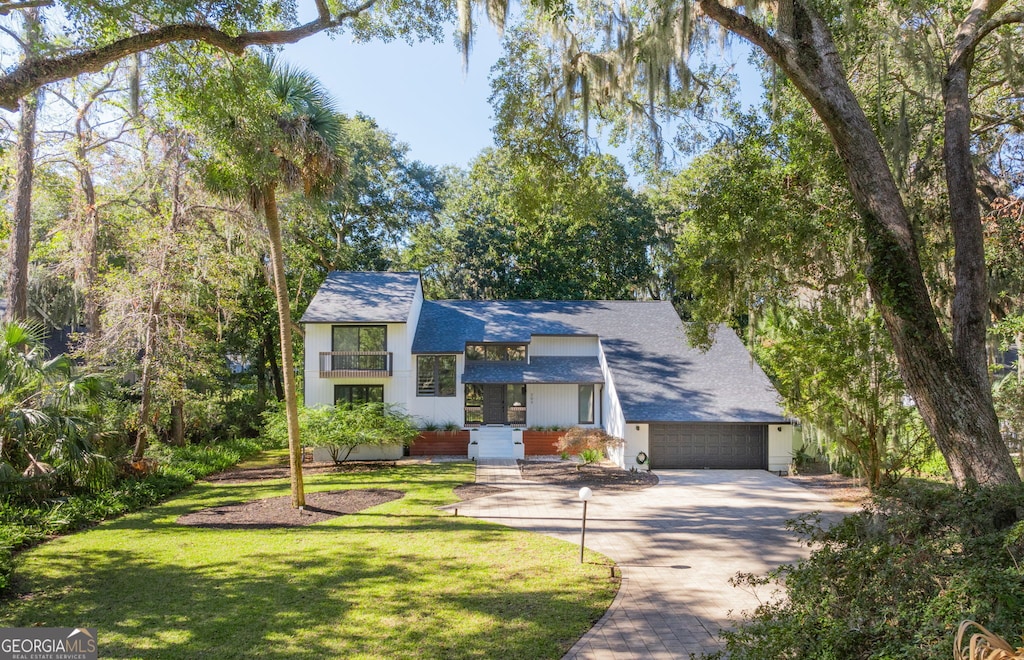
(677, 545)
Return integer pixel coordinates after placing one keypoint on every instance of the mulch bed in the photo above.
(472, 491)
(278, 511)
(593, 475)
(241, 475)
(836, 487)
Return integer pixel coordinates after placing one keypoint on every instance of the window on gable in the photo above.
(435, 375)
(496, 352)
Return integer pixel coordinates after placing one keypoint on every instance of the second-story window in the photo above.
(351, 340)
(435, 375)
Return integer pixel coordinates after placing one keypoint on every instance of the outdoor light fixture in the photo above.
(585, 495)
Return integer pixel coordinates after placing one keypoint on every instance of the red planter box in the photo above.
(541, 443)
(441, 443)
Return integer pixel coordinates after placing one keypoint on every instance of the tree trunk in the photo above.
(291, 404)
(178, 424)
(21, 196)
(275, 370)
(150, 343)
(261, 378)
(148, 352)
(87, 265)
(955, 406)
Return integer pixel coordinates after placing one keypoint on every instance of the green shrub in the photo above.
(25, 524)
(895, 580)
(343, 428)
(590, 455)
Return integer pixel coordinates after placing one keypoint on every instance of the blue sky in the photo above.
(421, 93)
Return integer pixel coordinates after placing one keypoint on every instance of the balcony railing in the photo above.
(348, 364)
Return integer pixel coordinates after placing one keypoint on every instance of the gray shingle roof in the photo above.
(658, 375)
(357, 297)
(541, 369)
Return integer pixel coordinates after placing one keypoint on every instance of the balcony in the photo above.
(355, 364)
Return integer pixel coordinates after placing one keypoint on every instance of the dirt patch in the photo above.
(278, 511)
(836, 487)
(594, 475)
(242, 475)
(472, 491)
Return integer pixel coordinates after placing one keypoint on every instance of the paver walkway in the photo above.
(677, 545)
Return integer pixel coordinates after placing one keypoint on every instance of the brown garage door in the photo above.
(735, 446)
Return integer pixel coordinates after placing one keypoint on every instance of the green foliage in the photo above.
(23, 525)
(568, 228)
(48, 416)
(343, 428)
(895, 580)
(591, 456)
(836, 369)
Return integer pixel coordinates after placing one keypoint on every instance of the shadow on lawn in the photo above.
(399, 580)
(296, 606)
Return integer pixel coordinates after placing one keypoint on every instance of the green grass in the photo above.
(398, 580)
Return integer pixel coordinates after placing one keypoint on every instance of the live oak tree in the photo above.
(610, 50)
(99, 33)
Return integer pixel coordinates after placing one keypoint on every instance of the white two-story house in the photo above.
(498, 367)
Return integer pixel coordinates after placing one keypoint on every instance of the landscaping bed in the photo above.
(605, 476)
(279, 512)
(244, 474)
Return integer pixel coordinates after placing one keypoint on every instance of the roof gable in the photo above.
(363, 297)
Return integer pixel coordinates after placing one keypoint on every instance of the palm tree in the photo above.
(41, 415)
(289, 140)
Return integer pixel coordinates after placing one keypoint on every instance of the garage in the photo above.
(715, 446)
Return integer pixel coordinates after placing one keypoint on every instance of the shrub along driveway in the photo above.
(677, 545)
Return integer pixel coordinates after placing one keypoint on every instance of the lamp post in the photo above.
(585, 495)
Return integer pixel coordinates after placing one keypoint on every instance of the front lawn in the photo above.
(398, 580)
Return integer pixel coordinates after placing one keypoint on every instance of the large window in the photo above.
(356, 338)
(496, 352)
(586, 404)
(356, 394)
(435, 375)
(350, 340)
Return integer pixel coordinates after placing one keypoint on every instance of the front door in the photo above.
(494, 404)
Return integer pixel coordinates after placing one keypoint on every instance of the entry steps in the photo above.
(496, 442)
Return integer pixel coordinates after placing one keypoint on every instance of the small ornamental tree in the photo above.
(340, 429)
(581, 441)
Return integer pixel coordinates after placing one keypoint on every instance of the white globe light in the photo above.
(586, 493)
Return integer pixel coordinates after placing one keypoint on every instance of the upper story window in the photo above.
(435, 375)
(359, 338)
(496, 352)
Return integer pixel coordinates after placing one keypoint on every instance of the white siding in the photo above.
(552, 405)
(780, 447)
(565, 346)
(636, 437)
(320, 391)
(437, 409)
